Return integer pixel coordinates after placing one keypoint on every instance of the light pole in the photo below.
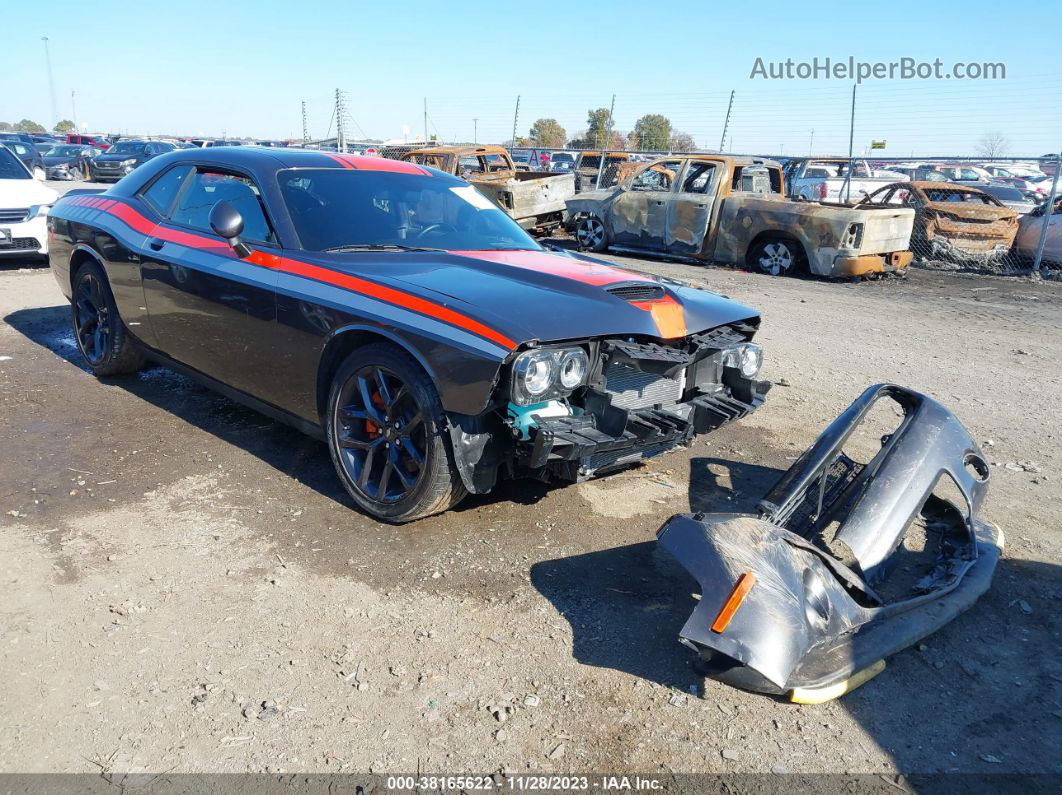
(475, 131)
(51, 81)
(73, 107)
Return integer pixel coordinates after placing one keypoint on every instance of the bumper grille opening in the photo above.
(634, 389)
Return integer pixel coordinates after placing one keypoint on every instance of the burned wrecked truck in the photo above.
(731, 210)
(846, 562)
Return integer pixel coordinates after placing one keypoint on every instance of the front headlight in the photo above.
(747, 358)
(547, 373)
(37, 210)
(128, 162)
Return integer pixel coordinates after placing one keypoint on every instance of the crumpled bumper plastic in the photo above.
(812, 621)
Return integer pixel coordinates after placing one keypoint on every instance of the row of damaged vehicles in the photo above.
(810, 216)
(704, 208)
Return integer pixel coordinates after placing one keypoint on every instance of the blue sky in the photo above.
(242, 68)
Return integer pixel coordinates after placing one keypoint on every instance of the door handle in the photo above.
(155, 243)
(657, 202)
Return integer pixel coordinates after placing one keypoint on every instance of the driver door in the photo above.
(640, 212)
(209, 309)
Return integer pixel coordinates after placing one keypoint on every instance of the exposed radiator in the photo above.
(634, 389)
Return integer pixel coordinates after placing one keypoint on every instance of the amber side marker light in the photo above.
(737, 596)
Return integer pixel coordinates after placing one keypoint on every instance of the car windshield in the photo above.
(945, 195)
(11, 167)
(63, 151)
(127, 148)
(1003, 194)
(335, 209)
(563, 156)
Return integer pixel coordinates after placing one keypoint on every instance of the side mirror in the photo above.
(227, 222)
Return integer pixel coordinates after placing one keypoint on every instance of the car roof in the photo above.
(252, 157)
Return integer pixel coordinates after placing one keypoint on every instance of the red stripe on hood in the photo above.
(558, 265)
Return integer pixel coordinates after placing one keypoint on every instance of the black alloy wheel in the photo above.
(101, 336)
(381, 432)
(386, 436)
(92, 319)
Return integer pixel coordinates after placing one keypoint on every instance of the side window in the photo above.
(699, 178)
(159, 194)
(206, 188)
(496, 163)
(470, 164)
(150, 150)
(658, 177)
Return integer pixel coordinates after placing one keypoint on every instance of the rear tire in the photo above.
(101, 336)
(776, 256)
(387, 436)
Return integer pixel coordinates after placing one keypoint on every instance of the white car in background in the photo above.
(1029, 229)
(24, 204)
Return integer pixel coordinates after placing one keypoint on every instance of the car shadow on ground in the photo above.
(627, 604)
(976, 696)
(288, 450)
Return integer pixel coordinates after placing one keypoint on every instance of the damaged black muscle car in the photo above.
(397, 313)
(811, 594)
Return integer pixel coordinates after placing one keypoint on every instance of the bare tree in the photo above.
(993, 144)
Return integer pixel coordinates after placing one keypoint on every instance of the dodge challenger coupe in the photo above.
(394, 312)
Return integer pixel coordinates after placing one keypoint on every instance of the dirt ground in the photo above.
(187, 588)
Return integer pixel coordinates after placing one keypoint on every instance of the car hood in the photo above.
(25, 192)
(555, 296)
(108, 156)
(55, 161)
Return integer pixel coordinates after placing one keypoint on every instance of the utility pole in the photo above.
(851, 142)
(73, 107)
(51, 81)
(516, 115)
(425, 120)
(726, 123)
(475, 130)
(341, 136)
(305, 128)
(605, 143)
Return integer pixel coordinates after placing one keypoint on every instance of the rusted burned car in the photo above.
(534, 199)
(731, 211)
(954, 223)
(850, 558)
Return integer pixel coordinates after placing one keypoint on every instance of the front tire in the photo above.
(776, 257)
(590, 234)
(101, 336)
(387, 436)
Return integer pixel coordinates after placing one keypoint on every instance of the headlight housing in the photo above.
(747, 358)
(547, 373)
(36, 210)
(129, 162)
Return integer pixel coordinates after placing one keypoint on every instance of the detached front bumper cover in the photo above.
(823, 609)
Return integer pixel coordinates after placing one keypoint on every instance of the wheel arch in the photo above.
(81, 255)
(342, 342)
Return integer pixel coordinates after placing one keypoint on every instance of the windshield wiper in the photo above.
(378, 247)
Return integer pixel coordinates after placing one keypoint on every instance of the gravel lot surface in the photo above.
(187, 588)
